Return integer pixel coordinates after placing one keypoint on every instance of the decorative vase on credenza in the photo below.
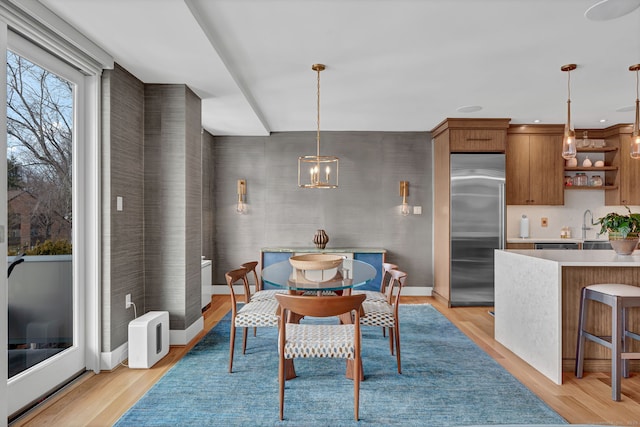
(320, 239)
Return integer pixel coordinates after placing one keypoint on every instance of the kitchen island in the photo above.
(537, 300)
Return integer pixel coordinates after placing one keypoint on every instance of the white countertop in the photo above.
(574, 258)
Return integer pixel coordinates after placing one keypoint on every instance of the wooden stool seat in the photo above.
(619, 297)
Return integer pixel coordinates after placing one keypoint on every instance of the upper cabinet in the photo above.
(626, 177)
(472, 135)
(534, 165)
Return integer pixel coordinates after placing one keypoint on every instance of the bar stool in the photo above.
(619, 297)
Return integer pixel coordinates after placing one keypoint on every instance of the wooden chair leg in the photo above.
(244, 340)
(232, 340)
(397, 335)
(391, 334)
(356, 387)
(281, 381)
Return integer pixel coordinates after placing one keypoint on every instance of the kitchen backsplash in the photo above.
(571, 214)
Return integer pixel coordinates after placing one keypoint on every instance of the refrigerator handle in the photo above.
(501, 216)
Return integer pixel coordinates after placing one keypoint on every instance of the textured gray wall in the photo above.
(122, 243)
(208, 201)
(363, 211)
(172, 202)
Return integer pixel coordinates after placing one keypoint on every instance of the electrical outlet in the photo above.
(127, 301)
(544, 221)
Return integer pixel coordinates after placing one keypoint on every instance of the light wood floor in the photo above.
(99, 400)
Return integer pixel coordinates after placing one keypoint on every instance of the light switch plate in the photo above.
(417, 210)
(119, 203)
(544, 221)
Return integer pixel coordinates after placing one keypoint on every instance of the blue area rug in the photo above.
(446, 381)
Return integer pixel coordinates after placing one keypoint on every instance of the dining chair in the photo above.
(320, 340)
(260, 294)
(385, 313)
(381, 295)
(247, 313)
(386, 278)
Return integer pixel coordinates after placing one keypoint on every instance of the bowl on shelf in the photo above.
(315, 261)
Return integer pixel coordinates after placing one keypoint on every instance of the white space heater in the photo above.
(148, 339)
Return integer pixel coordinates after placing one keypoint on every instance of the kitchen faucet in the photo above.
(584, 223)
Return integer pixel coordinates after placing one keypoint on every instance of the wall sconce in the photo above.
(404, 192)
(241, 208)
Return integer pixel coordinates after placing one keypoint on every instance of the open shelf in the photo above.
(590, 187)
(591, 169)
(604, 149)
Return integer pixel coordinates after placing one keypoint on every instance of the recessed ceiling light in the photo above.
(536, 121)
(605, 10)
(469, 109)
(603, 120)
(626, 109)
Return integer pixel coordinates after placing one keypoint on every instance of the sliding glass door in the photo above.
(46, 336)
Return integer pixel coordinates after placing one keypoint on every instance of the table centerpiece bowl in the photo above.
(315, 261)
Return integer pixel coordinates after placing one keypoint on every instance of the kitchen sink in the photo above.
(596, 244)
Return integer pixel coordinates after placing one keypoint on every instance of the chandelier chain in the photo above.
(318, 118)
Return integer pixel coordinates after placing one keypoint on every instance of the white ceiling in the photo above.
(392, 65)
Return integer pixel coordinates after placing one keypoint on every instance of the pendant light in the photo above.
(318, 171)
(569, 139)
(635, 135)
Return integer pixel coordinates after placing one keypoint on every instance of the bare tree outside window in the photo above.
(40, 147)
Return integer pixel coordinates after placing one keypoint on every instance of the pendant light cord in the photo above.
(568, 99)
(636, 127)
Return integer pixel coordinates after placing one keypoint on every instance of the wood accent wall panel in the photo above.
(122, 175)
(573, 280)
(441, 217)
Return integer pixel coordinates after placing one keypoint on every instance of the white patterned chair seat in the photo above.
(372, 295)
(258, 314)
(319, 341)
(377, 314)
(322, 293)
(269, 294)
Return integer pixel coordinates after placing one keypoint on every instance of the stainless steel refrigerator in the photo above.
(477, 225)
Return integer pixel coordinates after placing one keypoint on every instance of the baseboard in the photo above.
(414, 291)
(109, 360)
(183, 337)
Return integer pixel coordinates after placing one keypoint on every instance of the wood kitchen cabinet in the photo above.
(534, 165)
(626, 179)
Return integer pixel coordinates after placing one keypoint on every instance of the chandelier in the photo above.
(318, 171)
